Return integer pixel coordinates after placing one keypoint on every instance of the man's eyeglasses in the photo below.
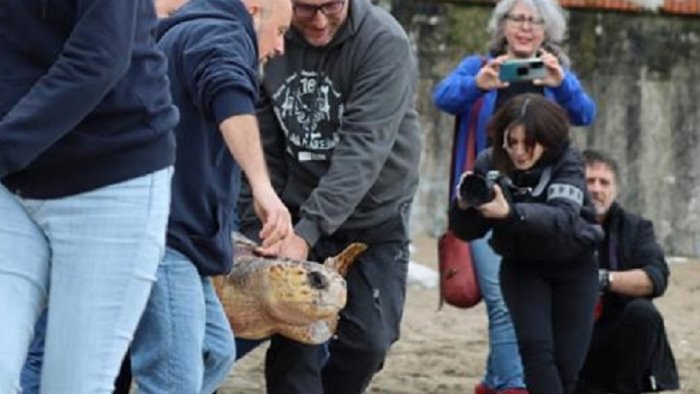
(308, 11)
(520, 20)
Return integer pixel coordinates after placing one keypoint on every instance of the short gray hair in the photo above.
(552, 14)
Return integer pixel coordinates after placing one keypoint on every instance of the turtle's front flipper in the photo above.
(343, 261)
(310, 334)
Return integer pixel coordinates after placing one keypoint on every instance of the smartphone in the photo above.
(517, 70)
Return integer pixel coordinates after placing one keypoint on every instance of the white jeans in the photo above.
(91, 258)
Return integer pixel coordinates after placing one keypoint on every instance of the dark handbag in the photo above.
(458, 284)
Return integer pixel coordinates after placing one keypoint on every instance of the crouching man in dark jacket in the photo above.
(629, 351)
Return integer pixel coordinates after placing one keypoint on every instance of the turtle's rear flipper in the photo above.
(342, 262)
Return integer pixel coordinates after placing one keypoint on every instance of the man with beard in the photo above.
(342, 141)
(629, 352)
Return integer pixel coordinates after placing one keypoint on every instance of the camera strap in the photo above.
(545, 177)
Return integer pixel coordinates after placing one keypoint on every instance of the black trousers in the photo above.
(369, 323)
(626, 349)
(552, 312)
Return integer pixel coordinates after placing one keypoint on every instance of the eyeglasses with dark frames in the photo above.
(520, 20)
(308, 11)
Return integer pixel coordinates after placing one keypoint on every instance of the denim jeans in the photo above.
(31, 373)
(503, 366)
(97, 252)
(184, 343)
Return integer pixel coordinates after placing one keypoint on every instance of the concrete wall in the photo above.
(642, 69)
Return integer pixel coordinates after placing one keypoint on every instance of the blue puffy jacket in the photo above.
(457, 94)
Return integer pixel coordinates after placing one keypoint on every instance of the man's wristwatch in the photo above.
(604, 279)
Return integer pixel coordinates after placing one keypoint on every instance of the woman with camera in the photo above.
(521, 29)
(543, 226)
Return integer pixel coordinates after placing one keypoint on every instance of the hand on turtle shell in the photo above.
(272, 250)
(294, 247)
(275, 218)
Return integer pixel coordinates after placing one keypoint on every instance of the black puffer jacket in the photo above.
(552, 219)
(637, 248)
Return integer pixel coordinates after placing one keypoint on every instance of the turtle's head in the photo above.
(303, 292)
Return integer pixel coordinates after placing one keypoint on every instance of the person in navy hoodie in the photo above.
(31, 373)
(86, 155)
(165, 8)
(184, 343)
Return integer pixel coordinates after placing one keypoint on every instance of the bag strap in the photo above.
(469, 161)
(471, 137)
(469, 152)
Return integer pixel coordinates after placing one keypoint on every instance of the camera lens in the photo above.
(476, 190)
(523, 70)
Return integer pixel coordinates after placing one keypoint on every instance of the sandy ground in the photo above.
(444, 352)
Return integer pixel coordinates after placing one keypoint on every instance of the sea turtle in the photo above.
(298, 299)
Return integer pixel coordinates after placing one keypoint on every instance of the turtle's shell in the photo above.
(298, 299)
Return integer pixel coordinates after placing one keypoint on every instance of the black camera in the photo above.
(477, 189)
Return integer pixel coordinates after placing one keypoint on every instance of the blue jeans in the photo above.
(184, 343)
(98, 252)
(503, 367)
(31, 373)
